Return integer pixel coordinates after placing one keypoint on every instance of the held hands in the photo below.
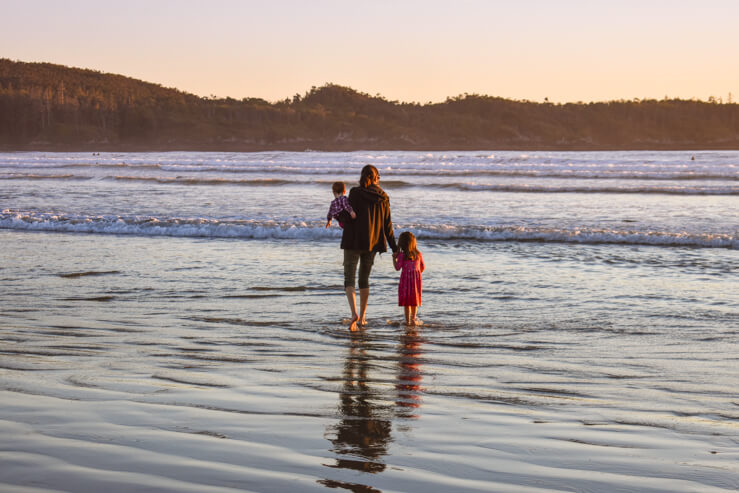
(354, 215)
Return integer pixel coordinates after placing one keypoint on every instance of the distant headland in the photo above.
(52, 107)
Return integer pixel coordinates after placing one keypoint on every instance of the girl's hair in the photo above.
(369, 173)
(407, 245)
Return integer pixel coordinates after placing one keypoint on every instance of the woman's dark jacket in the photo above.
(373, 226)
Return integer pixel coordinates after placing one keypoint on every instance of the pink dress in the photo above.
(411, 282)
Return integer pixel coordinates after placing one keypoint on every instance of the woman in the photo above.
(364, 237)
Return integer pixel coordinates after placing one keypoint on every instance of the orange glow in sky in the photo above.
(563, 50)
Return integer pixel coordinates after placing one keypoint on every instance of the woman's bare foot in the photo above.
(417, 322)
(363, 322)
(353, 325)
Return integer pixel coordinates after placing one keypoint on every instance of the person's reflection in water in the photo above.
(409, 375)
(363, 433)
(362, 436)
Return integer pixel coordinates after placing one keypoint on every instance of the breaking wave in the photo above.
(314, 230)
(573, 186)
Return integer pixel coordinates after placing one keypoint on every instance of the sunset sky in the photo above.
(407, 50)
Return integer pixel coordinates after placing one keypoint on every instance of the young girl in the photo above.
(410, 260)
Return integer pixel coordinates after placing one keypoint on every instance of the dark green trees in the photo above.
(52, 106)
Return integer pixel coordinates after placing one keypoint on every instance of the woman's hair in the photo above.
(407, 245)
(369, 173)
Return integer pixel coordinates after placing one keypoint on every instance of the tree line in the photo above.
(46, 106)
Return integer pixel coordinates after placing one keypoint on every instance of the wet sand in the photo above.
(211, 419)
(119, 375)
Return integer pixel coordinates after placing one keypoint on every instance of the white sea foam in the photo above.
(314, 230)
(580, 235)
(153, 226)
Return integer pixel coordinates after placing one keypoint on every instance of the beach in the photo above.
(177, 322)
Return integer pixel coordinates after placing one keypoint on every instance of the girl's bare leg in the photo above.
(363, 298)
(414, 318)
(407, 314)
(350, 296)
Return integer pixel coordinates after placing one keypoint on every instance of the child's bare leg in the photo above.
(407, 314)
(363, 298)
(351, 298)
(414, 318)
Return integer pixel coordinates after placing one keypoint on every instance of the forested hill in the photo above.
(45, 106)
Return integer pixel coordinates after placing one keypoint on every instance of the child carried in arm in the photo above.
(340, 208)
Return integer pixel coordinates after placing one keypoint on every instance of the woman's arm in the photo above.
(388, 229)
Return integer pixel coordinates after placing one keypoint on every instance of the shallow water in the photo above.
(180, 364)
(160, 332)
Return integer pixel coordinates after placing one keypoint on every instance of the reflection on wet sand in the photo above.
(409, 375)
(362, 436)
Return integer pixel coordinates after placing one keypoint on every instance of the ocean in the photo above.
(175, 321)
